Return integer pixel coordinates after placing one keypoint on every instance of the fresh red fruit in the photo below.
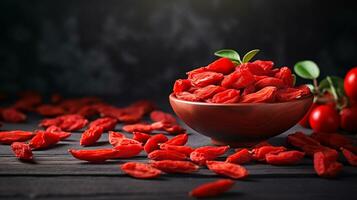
(304, 122)
(212, 189)
(140, 170)
(350, 84)
(349, 119)
(324, 118)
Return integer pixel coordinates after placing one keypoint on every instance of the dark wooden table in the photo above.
(57, 175)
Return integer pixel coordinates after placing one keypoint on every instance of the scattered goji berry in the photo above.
(175, 166)
(231, 170)
(107, 123)
(91, 135)
(350, 157)
(240, 157)
(50, 110)
(146, 128)
(326, 166)
(71, 122)
(299, 139)
(8, 137)
(203, 154)
(158, 116)
(58, 131)
(127, 149)
(115, 137)
(140, 170)
(260, 152)
(333, 140)
(187, 150)
(12, 115)
(93, 155)
(43, 140)
(141, 137)
(166, 155)
(153, 142)
(178, 140)
(212, 189)
(22, 150)
(285, 158)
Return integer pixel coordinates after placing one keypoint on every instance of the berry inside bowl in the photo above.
(240, 124)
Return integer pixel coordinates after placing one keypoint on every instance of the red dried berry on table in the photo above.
(326, 166)
(107, 123)
(93, 155)
(146, 128)
(208, 91)
(43, 140)
(91, 135)
(174, 166)
(181, 85)
(72, 122)
(115, 137)
(22, 151)
(227, 96)
(238, 79)
(299, 139)
(285, 158)
(286, 76)
(350, 157)
(221, 65)
(160, 116)
(127, 149)
(8, 137)
(324, 118)
(240, 157)
(227, 169)
(12, 115)
(141, 137)
(265, 95)
(140, 170)
(166, 155)
(333, 140)
(50, 110)
(260, 152)
(153, 142)
(212, 189)
(187, 150)
(206, 78)
(58, 131)
(203, 154)
(178, 140)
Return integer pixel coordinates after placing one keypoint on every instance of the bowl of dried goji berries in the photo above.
(240, 102)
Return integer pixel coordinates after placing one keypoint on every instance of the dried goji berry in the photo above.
(238, 79)
(70, 122)
(269, 81)
(181, 85)
(265, 64)
(333, 140)
(141, 137)
(43, 140)
(260, 152)
(12, 115)
(208, 91)
(253, 68)
(192, 73)
(8, 137)
(206, 78)
(285, 158)
(265, 95)
(146, 128)
(153, 142)
(178, 140)
(28, 102)
(202, 154)
(286, 76)
(107, 123)
(288, 94)
(187, 96)
(350, 157)
(58, 131)
(231, 170)
(158, 116)
(240, 157)
(175, 166)
(299, 139)
(227, 96)
(91, 135)
(127, 149)
(93, 155)
(261, 144)
(140, 170)
(166, 155)
(88, 111)
(50, 110)
(174, 129)
(212, 189)
(114, 137)
(326, 166)
(248, 90)
(221, 65)
(56, 98)
(22, 151)
(187, 150)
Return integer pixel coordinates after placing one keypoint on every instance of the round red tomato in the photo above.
(349, 119)
(304, 122)
(324, 118)
(350, 84)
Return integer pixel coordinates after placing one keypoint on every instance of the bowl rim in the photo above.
(174, 98)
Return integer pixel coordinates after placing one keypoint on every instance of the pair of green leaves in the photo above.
(234, 56)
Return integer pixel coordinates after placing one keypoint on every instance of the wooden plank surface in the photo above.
(55, 174)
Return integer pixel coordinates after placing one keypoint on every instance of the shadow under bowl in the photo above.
(240, 124)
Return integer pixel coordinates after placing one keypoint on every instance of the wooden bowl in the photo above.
(240, 124)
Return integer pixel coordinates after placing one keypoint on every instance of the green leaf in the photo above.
(228, 53)
(332, 88)
(248, 56)
(333, 84)
(307, 69)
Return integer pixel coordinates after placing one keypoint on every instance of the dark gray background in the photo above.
(136, 49)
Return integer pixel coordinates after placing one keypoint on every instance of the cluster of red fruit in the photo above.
(328, 114)
(225, 81)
